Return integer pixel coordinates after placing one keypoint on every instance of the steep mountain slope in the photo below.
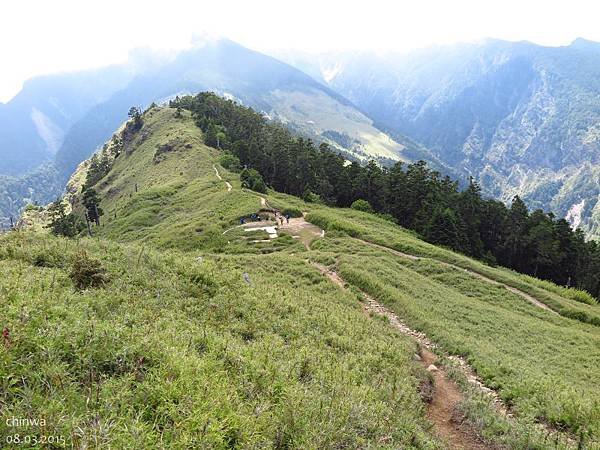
(163, 192)
(34, 123)
(521, 118)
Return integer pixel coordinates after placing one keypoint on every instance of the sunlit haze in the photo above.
(41, 37)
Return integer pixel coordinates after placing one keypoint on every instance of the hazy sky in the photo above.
(47, 36)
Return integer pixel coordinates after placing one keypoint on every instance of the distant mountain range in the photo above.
(520, 118)
(58, 121)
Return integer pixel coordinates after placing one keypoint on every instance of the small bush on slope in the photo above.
(230, 162)
(86, 272)
(362, 205)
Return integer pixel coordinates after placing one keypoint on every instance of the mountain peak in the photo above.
(585, 44)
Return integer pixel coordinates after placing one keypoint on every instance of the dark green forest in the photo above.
(413, 195)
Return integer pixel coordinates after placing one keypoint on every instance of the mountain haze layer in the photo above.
(275, 88)
(34, 123)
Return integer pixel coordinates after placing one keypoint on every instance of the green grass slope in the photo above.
(543, 365)
(176, 353)
(180, 349)
(179, 203)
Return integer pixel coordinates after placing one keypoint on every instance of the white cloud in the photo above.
(48, 36)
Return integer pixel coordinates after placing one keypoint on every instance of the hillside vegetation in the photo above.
(172, 352)
(198, 333)
(415, 196)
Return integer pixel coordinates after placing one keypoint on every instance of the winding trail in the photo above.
(524, 295)
(229, 186)
(442, 410)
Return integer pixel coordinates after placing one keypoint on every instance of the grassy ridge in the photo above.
(542, 364)
(179, 202)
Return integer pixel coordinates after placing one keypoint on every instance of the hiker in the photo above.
(242, 221)
(287, 218)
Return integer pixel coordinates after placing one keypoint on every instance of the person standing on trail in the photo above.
(287, 218)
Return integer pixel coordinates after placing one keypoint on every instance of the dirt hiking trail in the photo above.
(442, 410)
(229, 186)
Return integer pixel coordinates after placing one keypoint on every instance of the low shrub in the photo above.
(87, 272)
(251, 179)
(230, 162)
(292, 212)
(362, 205)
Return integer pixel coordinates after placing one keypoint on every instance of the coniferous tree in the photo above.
(61, 223)
(469, 207)
(91, 201)
(542, 247)
(516, 229)
(443, 229)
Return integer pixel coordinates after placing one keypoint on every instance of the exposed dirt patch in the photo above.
(297, 227)
(300, 229)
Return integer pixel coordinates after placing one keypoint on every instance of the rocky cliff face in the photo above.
(521, 118)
